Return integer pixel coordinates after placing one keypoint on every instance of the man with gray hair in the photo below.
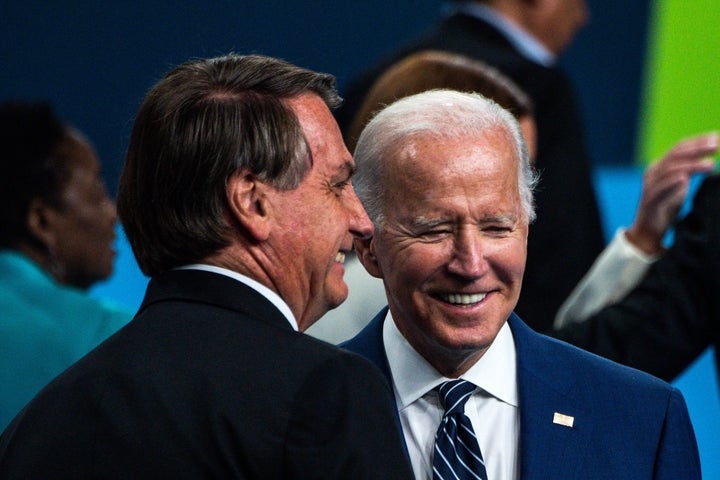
(446, 180)
(524, 40)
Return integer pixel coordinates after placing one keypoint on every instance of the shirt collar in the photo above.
(273, 297)
(413, 376)
(528, 46)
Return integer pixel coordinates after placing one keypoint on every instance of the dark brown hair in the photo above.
(203, 121)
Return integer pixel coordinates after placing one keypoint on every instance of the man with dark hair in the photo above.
(236, 199)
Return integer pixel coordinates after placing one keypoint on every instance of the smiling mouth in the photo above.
(462, 298)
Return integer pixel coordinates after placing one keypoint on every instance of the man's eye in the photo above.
(497, 229)
(339, 187)
(435, 233)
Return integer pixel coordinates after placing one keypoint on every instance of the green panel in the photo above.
(682, 84)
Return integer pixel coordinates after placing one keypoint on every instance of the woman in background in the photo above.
(57, 230)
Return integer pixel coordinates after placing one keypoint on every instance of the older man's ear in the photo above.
(249, 205)
(365, 249)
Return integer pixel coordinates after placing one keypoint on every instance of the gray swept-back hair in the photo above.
(440, 114)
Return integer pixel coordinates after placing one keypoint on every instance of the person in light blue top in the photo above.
(57, 230)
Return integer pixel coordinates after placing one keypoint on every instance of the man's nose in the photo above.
(360, 224)
(468, 256)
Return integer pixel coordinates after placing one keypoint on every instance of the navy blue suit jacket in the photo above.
(627, 424)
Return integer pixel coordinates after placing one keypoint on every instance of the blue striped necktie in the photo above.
(457, 453)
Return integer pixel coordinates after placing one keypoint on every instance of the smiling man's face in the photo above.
(453, 244)
(317, 221)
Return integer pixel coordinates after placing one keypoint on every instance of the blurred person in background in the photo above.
(633, 250)
(670, 317)
(57, 230)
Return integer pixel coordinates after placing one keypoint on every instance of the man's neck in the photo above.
(515, 25)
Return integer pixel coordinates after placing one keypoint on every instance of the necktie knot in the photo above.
(454, 394)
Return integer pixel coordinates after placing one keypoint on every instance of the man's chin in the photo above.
(332, 299)
(337, 297)
(468, 342)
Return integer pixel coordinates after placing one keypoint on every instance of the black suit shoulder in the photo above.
(198, 388)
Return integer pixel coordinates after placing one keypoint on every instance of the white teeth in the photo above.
(340, 257)
(463, 299)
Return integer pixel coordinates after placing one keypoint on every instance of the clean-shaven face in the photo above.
(83, 223)
(452, 248)
(319, 219)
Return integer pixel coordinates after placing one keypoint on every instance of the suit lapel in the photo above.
(369, 344)
(549, 447)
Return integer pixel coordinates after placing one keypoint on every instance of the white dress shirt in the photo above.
(492, 409)
(272, 297)
(616, 271)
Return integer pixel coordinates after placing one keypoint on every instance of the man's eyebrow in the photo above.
(427, 222)
(502, 218)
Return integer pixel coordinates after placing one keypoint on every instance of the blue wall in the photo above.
(95, 60)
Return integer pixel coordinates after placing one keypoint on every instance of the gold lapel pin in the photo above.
(564, 420)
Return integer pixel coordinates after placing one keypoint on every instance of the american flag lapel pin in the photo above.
(564, 420)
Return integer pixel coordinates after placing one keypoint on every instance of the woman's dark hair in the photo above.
(30, 165)
(202, 122)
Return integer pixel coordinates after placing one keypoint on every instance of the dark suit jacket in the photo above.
(209, 381)
(673, 314)
(627, 423)
(567, 235)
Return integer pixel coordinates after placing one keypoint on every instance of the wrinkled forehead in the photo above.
(436, 151)
(320, 129)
